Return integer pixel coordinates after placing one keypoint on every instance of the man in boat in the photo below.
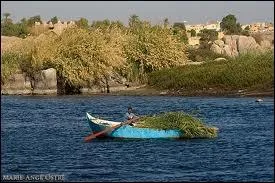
(130, 115)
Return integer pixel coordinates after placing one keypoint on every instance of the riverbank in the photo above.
(246, 75)
(149, 91)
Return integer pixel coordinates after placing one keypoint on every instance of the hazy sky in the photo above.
(154, 11)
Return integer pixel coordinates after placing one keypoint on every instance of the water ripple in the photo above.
(42, 134)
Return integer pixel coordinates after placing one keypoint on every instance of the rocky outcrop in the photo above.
(233, 45)
(217, 48)
(18, 83)
(45, 82)
(265, 44)
(42, 83)
(247, 44)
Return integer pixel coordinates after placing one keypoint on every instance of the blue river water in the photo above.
(45, 135)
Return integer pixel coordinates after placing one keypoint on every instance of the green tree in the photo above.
(24, 30)
(31, 21)
(207, 35)
(179, 25)
(165, 22)
(134, 21)
(246, 31)
(152, 48)
(7, 26)
(180, 31)
(118, 24)
(101, 24)
(107, 24)
(54, 20)
(6, 16)
(24, 21)
(230, 26)
(82, 23)
(193, 33)
(90, 56)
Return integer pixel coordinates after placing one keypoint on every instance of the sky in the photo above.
(193, 12)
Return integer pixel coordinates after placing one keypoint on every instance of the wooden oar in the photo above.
(92, 136)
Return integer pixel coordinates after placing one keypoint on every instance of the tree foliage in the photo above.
(106, 24)
(207, 35)
(152, 48)
(180, 31)
(82, 23)
(54, 20)
(85, 56)
(8, 28)
(31, 21)
(246, 31)
(134, 21)
(193, 33)
(10, 63)
(230, 26)
(91, 56)
(165, 22)
(179, 26)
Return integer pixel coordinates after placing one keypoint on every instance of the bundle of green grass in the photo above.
(190, 126)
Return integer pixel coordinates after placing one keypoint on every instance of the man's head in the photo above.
(130, 109)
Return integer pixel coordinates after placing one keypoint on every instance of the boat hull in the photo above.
(128, 131)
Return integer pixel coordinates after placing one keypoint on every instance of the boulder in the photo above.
(216, 48)
(246, 44)
(220, 59)
(220, 43)
(46, 80)
(265, 44)
(16, 82)
(194, 63)
(231, 41)
(229, 51)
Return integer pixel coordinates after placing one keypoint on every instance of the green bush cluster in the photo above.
(190, 126)
(244, 72)
(86, 56)
(203, 55)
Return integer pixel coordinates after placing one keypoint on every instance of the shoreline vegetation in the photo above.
(249, 75)
(107, 53)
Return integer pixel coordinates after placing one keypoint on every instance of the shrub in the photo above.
(201, 55)
(10, 63)
(246, 71)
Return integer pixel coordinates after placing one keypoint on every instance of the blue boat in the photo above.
(127, 131)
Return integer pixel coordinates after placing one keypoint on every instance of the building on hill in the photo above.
(259, 27)
(57, 27)
(213, 25)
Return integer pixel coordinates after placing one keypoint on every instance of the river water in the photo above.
(44, 135)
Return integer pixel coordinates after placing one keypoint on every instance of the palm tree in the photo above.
(6, 15)
(165, 22)
(133, 20)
